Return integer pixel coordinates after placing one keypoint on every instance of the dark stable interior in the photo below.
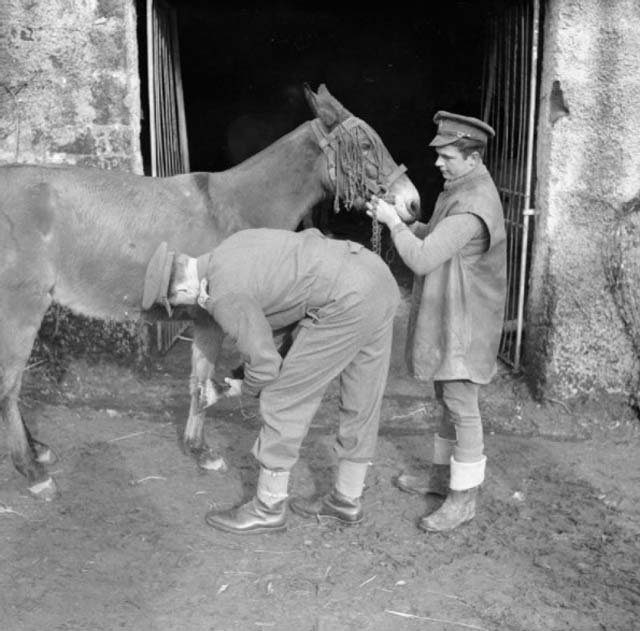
(243, 68)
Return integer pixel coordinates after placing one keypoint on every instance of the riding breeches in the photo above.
(349, 338)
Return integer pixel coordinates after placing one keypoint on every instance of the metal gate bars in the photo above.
(509, 106)
(167, 122)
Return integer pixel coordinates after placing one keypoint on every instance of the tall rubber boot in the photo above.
(344, 503)
(266, 512)
(460, 505)
(436, 480)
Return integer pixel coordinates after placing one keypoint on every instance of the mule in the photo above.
(82, 237)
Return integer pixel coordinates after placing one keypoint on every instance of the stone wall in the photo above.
(588, 166)
(69, 83)
(70, 93)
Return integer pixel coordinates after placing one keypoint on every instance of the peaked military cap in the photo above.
(452, 127)
(157, 277)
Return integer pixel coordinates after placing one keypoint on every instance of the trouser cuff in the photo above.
(467, 475)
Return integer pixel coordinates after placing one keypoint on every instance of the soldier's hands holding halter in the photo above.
(382, 211)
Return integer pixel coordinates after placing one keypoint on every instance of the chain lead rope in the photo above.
(376, 236)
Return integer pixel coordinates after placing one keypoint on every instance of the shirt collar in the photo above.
(462, 181)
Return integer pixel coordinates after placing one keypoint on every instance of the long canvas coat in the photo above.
(457, 311)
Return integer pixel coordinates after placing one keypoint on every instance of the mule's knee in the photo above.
(202, 368)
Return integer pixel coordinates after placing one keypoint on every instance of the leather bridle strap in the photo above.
(383, 188)
(328, 142)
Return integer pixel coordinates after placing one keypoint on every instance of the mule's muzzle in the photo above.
(414, 213)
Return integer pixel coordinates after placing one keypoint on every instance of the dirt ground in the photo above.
(555, 545)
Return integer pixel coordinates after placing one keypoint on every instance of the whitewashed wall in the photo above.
(588, 164)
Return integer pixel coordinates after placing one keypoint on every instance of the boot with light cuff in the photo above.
(460, 505)
(266, 512)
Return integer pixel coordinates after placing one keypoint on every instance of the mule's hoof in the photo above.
(208, 462)
(46, 490)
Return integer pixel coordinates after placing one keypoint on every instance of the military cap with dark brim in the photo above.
(157, 277)
(453, 127)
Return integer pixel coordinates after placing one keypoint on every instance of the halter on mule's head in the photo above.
(355, 155)
(359, 164)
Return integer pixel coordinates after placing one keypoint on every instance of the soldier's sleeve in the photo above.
(242, 319)
(419, 229)
(448, 237)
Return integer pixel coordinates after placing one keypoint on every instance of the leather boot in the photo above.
(334, 505)
(253, 517)
(435, 482)
(457, 509)
(460, 505)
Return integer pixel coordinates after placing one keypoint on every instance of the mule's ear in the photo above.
(311, 99)
(330, 110)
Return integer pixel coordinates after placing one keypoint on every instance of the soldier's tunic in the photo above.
(344, 298)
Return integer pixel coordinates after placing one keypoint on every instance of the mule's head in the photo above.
(359, 163)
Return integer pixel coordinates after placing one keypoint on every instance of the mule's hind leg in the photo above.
(27, 454)
(204, 392)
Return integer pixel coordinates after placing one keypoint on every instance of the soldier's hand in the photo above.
(235, 387)
(203, 294)
(382, 211)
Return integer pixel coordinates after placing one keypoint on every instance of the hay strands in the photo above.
(428, 619)
(7, 510)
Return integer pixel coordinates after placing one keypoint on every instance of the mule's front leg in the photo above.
(203, 393)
